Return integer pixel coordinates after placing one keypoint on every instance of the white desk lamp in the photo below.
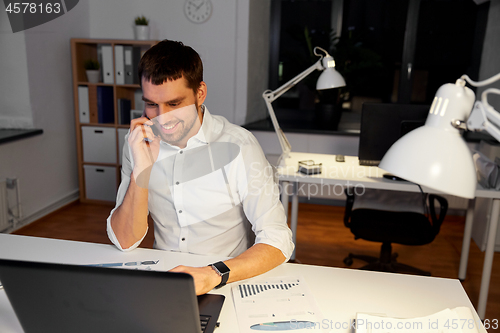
(435, 155)
(330, 78)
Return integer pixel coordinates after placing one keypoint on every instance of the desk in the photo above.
(340, 293)
(351, 174)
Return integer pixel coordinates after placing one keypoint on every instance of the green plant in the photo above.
(141, 20)
(91, 64)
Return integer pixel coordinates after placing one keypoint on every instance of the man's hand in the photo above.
(145, 147)
(205, 278)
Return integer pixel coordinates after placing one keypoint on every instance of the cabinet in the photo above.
(103, 111)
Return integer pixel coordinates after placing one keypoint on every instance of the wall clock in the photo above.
(198, 11)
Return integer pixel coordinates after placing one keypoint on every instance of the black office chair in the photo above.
(387, 227)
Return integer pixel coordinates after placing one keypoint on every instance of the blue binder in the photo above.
(105, 105)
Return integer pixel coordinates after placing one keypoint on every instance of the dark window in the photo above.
(391, 51)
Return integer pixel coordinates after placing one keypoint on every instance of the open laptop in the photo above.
(70, 298)
(382, 124)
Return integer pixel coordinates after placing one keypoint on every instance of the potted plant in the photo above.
(141, 28)
(92, 70)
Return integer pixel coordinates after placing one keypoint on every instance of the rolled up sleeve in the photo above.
(261, 201)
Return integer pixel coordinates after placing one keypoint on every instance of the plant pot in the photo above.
(93, 75)
(141, 32)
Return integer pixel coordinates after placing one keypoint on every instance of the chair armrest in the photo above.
(348, 206)
(443, 203)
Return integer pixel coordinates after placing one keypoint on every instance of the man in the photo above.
(205, 182)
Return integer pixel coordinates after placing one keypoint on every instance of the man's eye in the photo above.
(173, 104)
(151, 105)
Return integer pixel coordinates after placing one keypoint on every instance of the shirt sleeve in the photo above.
(127, 167)
(261, 200)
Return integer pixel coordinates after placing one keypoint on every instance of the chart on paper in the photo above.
(249, 290)
(276, 304)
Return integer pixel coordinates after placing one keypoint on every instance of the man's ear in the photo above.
(201, 93)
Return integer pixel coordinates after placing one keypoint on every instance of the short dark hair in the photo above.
(171, 60)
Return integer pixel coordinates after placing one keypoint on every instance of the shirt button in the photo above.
(181, 152)
(183, 239)
(180, 211)
(176, 183)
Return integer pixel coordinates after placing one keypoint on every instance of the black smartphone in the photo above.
(156, 131)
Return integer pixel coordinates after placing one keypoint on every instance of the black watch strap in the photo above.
(221, 269)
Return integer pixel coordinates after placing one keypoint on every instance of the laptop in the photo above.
(55, 298)
(382, 124)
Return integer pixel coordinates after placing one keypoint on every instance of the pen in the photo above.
(147, 143)
(131, 263)
(283, 325)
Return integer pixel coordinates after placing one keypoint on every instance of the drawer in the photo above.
(99, 144)
(100, 182)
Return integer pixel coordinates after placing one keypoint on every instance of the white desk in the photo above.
(340, 293)
(351, 174)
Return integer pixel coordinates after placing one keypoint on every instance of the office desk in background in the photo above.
(350, 174)
(340, 293)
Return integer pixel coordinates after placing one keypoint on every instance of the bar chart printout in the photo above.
(276, 304)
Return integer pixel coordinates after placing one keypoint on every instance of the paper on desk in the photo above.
(457, 320)
(276, 304)
(144, 265)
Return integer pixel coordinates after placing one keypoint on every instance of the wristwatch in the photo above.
(221, 269)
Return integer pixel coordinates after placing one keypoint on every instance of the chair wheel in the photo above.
(348, 261)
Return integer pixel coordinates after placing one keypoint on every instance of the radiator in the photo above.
(4, 221)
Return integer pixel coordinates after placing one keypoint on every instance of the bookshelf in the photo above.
(102, 111)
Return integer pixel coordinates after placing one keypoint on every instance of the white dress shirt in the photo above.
(218, 196)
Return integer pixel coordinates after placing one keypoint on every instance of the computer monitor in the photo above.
(383, 124)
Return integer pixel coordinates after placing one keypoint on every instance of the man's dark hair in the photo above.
(171, 60)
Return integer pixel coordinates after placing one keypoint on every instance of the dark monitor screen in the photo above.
(383, 124)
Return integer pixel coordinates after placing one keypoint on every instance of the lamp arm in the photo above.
(285, 145)
(481, 83)
(273, 95)
(270, 96)
(484, 116)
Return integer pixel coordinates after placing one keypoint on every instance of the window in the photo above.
(398, 51)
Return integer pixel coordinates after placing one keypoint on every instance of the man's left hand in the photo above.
(205, 278)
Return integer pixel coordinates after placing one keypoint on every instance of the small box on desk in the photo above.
(308, 167)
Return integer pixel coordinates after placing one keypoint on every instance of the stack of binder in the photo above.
(126, 59)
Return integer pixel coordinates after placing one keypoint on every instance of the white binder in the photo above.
(129, 68)
(107, 64)
(119, 65)
(83, 104)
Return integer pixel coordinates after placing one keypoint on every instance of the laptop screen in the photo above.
(383, 124)
(70, 298)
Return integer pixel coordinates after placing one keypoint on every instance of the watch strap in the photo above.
(223, 271)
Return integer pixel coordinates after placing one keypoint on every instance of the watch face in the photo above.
(198, 11)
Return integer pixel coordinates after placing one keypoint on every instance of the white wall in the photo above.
(15, 106)
(46, 164)
(222, 42)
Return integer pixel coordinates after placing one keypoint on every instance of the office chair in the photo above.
(401, 225)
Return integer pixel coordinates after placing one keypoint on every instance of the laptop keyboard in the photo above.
(369, 162)
(204, 322)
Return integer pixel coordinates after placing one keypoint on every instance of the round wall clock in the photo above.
(198, 11)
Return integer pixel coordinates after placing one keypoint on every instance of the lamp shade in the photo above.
(435, 155)
(433, 158)
(329, 78)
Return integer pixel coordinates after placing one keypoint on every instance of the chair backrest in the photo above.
(395, 201)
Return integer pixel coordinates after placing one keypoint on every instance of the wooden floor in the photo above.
(322, 239)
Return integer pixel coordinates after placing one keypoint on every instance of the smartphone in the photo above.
(154, 128)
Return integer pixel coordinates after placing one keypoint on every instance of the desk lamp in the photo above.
(435, 155)
(328, 79)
